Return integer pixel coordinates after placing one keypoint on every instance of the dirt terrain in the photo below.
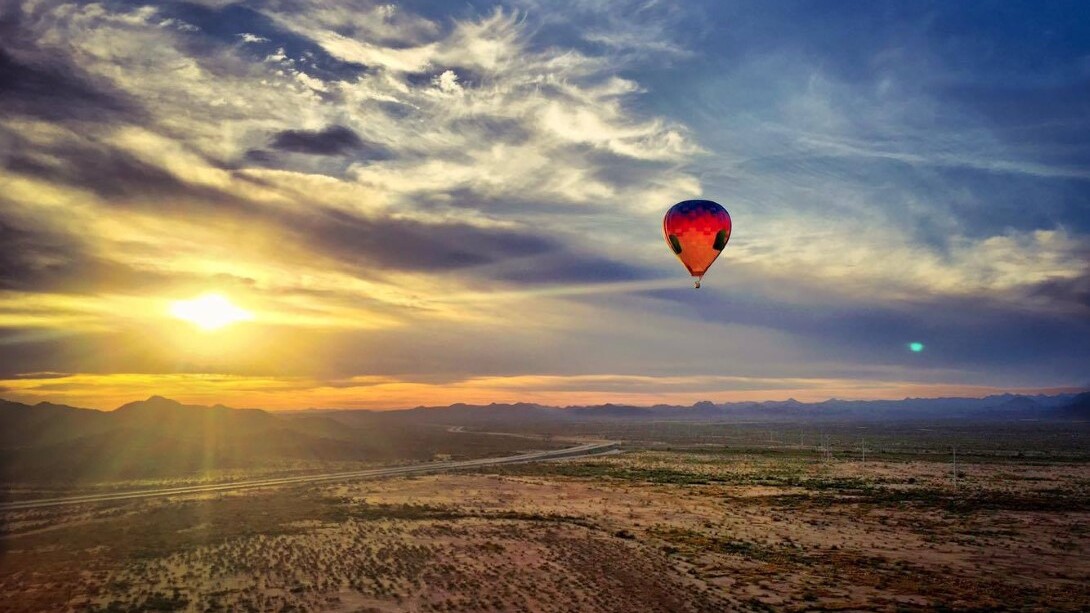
(694, 530)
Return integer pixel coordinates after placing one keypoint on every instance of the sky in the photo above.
(429, 202)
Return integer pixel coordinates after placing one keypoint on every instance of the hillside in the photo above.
(1079, 408)
(159, 437)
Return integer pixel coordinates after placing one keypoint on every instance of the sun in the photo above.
(209, 312)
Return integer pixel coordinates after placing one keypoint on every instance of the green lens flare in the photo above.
(916, 347)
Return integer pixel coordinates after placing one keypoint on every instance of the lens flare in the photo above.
(915, 347)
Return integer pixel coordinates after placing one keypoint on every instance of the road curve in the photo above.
(372, 473)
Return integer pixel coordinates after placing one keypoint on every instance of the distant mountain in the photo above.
(159, 437)
(154, 437)
(170, 417)
(495, 415)
(1002, 407)
(1079, 407)
(44, 423)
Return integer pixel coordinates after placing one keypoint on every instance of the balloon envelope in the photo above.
(696, 231)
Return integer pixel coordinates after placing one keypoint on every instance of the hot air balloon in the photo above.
(696, 231)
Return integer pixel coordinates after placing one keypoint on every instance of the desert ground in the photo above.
(694, 528)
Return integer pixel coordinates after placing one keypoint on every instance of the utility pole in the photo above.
(864, 451)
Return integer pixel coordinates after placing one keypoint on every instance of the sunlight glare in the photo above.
(209, 312)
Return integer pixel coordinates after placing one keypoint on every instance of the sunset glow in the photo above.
(209, 312)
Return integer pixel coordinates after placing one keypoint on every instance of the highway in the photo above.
(372, 473)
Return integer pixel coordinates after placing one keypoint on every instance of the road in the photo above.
(373, 473)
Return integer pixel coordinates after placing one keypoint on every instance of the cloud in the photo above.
(230, 23)
(113, 174)
(49, 262)
(568, 268)
(46, 90)
(1071, 292)
(252, 38)
(333, 140)
(447, 82)
(629, 30)
(400, 244)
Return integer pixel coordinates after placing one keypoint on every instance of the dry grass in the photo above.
(640, 531)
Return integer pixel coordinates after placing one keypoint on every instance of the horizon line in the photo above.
(1049, 392)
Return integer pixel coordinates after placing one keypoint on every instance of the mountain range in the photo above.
(159, 437)
(997, 408)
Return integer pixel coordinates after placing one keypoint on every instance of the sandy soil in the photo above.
(653, 530)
